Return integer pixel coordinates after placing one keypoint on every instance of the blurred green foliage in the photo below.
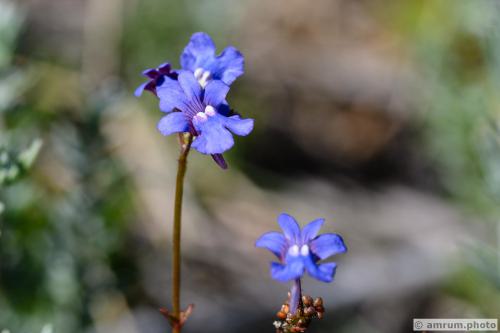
(13, 165)
(456, 47)
(456, 50)
(61, 239)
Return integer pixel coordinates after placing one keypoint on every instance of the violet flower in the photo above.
(299, 251)
(201, 112)
(156, 78)
(199, 57)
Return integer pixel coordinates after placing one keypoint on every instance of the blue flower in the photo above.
(156, 78)
(199, 57)
(203, 112)
(299, 251)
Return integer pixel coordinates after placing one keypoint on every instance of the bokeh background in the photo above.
(380, 116)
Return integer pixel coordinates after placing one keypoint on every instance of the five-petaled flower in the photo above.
(199, 57)
(203, 113)
(299, 251)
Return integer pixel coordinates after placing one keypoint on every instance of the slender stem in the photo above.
(296, 296)
(176, 239)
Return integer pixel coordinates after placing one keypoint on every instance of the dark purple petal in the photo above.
(274, 242)
(213, 137)
(151, 73)
(157, 77)
(290, 228)
(199, 52)
(159, 81)
(173, 75)
(190, 86)
(215, 93)
(311, 230)
(327, 245)
(291, 271)
(224, 109)
(324, 272)
(171, 96)
(219, 159)
(174, 122)
(164, 68)
(228, 66)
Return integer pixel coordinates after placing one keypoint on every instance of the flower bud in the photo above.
(307, 300)
(281, 315)
(309, 311)
(318, 302)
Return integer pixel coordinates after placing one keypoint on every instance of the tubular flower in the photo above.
(299, 251)
(199, 57)
(201, 112)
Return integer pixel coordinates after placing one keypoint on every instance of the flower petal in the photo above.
(274, 242)
(291, 271)
(228, 65)
(171, 96)
(199, 51)
(174, 122)
(311, 230)
(213, 137)
(324, 272)
(215, 93)
(327, 245)
(190, 86)
(151, 73)
(165, 68)
(140, 89)
(224, 109)
(238, 126)
(290, 228)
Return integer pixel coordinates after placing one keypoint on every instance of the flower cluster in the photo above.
(194, 97)
(289, 322)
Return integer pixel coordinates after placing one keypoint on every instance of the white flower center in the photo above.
(198, 73)
(203, 116)
(210, 110)
(202, 76)
(304, 250)
(293, 250)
